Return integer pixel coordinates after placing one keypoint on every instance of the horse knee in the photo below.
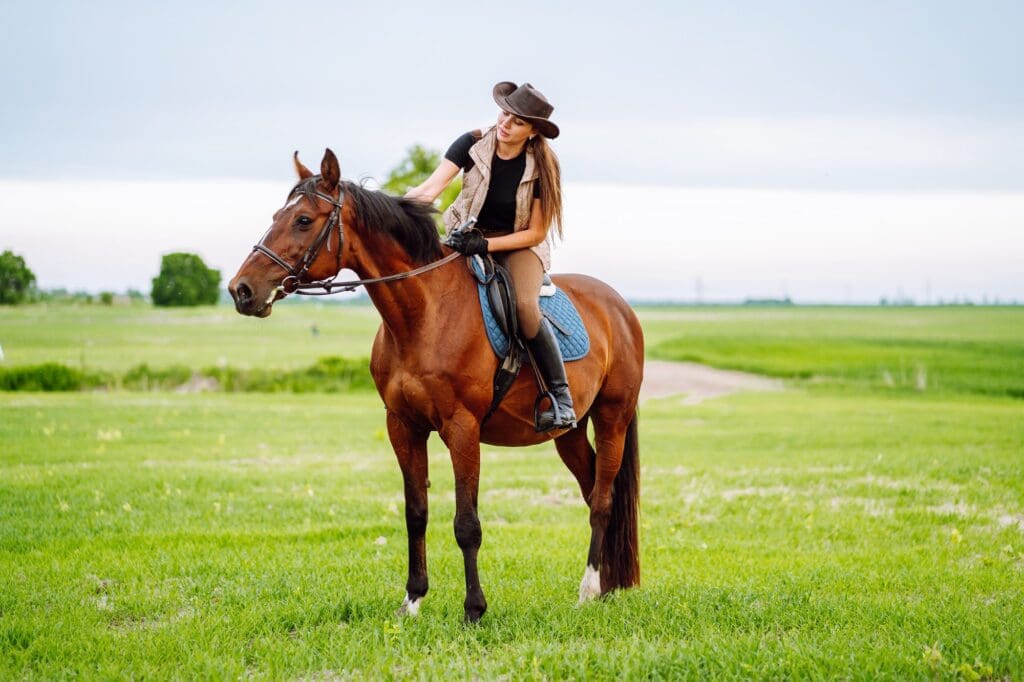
(467, 531)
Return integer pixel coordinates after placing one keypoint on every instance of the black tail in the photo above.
(620, 555)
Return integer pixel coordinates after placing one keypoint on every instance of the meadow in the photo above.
(852, 526)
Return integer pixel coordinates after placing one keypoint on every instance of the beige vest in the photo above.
(476, 182)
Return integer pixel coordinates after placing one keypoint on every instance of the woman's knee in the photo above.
(527, 309)
(527, 274)
(529, 316)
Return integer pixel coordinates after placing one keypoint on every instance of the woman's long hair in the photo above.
(550, 182)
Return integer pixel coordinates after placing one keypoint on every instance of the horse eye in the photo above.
(304, 221)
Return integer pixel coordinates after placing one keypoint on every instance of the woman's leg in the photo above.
(527, 275)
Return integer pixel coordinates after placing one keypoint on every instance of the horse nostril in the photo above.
(243, 292)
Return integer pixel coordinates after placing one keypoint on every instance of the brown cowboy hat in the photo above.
(527, 102)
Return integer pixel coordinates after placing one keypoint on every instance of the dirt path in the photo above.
(697, 383)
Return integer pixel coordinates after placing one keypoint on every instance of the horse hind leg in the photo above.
(613, 558)
(578, 454)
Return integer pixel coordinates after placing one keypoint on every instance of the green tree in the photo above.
(185, 280)
(16, 280)
(417, 166)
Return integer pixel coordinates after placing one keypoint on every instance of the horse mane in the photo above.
(408, 221)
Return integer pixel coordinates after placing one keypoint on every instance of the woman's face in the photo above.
(512, 129)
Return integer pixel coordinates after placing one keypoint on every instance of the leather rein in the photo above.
(293, 282)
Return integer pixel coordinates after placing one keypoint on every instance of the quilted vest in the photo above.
(476, 182)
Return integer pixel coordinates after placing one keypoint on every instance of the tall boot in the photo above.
(548, 357)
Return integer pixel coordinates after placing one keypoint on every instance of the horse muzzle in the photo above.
(247, 302)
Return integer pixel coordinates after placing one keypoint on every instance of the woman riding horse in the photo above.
(512, 187)
(434, 370)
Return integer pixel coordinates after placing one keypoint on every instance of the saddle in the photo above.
(497, 304)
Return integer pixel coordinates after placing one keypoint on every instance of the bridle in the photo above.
(293, 282)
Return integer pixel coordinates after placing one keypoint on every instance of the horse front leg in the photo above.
(410, 445)
(462, 436)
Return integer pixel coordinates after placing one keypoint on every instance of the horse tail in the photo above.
(620, 555)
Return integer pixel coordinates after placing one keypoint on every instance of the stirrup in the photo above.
(556, 414)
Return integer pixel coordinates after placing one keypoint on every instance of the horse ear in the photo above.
(300, 169)
(329, 170)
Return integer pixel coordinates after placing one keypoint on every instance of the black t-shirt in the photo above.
(498, 214)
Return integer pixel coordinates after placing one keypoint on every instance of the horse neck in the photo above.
(404, 305)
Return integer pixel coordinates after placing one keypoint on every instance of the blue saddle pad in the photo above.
(574, 341)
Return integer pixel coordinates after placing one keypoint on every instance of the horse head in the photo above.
(303, 243)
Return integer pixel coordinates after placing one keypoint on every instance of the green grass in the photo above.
(116, 338)
(972, 350)
(798, 535)
(945, 350)
(844, 528)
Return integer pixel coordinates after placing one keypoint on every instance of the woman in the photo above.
(512, 187)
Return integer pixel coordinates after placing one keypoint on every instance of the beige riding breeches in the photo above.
(527, 275)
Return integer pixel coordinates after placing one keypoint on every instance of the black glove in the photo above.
(468, 242)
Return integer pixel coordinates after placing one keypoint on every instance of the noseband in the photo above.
(293, 282)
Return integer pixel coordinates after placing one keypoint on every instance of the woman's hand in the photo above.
(431, 188)
(469, 242)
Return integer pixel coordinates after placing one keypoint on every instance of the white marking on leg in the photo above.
(590, 586)
(410, 607)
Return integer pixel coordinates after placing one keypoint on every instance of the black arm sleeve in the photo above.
(458, 153)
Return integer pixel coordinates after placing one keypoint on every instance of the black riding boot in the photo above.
(548, 356)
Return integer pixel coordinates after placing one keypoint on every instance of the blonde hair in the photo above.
(550, 172)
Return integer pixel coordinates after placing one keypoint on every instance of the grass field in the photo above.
(975, 350)
(844, 528)
(119, 337)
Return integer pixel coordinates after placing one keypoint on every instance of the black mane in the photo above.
(408, 221)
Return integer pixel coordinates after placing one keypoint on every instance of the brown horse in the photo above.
(434, 367)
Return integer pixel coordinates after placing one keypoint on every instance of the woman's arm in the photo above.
(534, 234)
(432, 187)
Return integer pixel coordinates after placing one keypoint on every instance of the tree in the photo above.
(185, 280)
(16, 280)
(417, 166)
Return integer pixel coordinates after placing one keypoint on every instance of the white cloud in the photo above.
(810, 152)
(645, 241)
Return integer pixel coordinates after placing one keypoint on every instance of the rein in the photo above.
(293, 284)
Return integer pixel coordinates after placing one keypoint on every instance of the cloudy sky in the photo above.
(829, 151)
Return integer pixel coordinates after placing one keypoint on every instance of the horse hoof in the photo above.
(590, 586)
(409, 607)
(473, 615)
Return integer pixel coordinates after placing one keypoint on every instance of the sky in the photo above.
(832, 152)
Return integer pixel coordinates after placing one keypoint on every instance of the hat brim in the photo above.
(544, 126)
